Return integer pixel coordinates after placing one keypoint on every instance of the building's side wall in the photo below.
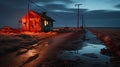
(42, 25)
(46, 25)
(50, 25)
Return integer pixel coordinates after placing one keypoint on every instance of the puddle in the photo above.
(89, 54)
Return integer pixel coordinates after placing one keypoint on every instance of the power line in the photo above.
(51, 13)
(37, 6)
(45, 9)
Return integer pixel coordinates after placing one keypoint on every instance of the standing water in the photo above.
(88, 55)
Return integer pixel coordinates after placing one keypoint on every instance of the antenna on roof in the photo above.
(28, 18)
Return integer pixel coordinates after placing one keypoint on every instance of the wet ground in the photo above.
(65, 50)
(88, 55)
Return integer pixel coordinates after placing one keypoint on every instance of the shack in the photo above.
(36, 22)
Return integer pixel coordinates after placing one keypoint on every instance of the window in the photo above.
(25, 23)
(45, 23)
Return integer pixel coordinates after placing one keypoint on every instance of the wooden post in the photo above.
(28, 16)
(78, 15)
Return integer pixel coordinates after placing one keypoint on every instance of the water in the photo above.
(89, 53)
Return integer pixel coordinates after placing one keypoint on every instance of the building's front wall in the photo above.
(31, 22)
(35, 24)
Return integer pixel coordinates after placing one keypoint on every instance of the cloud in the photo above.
(50, 1)
(14, 3)
(103, 14)
(12, 10)
(58, 8)
(54, 6)
(102, 18)
(68, 18)
(117, 6)
(46, 2)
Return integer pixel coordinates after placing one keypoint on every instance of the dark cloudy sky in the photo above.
(102, 13)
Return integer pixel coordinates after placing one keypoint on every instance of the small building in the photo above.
(36, 22)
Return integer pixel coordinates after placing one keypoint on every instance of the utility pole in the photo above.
(28, 19)
(82, 17)
(78, 15)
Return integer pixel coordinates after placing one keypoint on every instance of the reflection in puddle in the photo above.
(89, 54)
(31, 53)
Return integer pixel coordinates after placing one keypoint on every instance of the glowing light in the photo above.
(45, 23)
(62, 11)
(91, 4)
(31, 52)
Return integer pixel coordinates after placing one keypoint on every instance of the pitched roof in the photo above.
(43, 16)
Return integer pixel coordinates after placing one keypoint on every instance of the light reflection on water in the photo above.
(91, 48)
(89, 53)
(94, 49)
(31, 53)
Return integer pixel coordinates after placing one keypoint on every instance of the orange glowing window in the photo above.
(45, 23)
